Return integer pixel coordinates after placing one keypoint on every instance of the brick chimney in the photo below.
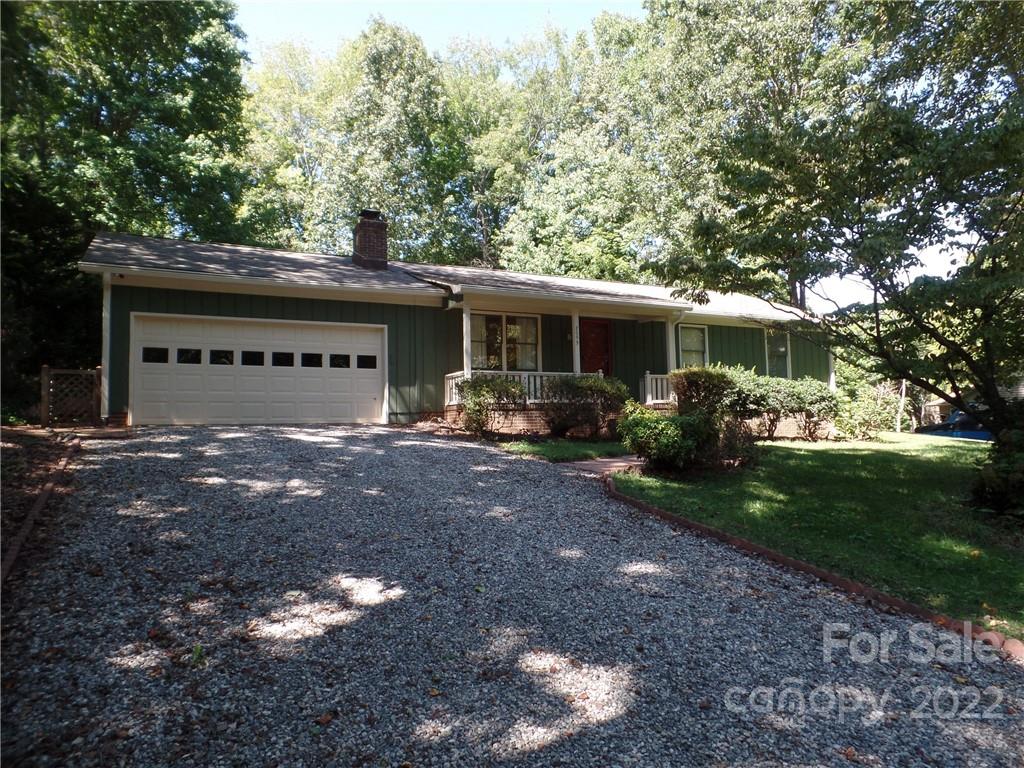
(371, 241)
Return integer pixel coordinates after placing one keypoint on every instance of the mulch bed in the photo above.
(27, 456)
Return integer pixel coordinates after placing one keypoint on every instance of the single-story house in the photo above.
(203, 333)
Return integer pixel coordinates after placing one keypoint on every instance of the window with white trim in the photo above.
(505, 342)
(777, 344)
(693, 346)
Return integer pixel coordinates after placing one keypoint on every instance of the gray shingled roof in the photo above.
(219, 260)
(719, 304)
(569, 287)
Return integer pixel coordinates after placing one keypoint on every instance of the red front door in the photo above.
(596, 346)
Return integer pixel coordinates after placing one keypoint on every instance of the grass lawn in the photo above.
(566, 450)
(890, 514)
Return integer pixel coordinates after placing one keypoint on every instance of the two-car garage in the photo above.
(212, 370)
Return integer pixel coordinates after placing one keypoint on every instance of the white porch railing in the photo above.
(532, 381)
(656, 388)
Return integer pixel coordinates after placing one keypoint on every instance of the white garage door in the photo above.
(217, 371)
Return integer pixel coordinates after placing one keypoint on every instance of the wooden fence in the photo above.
(69, 396)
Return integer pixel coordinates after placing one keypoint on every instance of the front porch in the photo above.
(654, 389)
(535, 346)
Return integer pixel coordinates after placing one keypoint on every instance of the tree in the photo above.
(368, 128)
(587, 204)
(121, 116)
(721, 70)
(899, 129)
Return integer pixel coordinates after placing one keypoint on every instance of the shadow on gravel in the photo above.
(371, 596)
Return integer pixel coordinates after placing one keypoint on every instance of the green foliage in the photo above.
(582, 402)
(120, 116)
(691, 441)
(663, 442)
(1000, 485)
(485, 399)
(775, 398)
(702, 390)
(819, 140)
(9, 418)
(814, 406)
(369, 127)
(889, 513)
(868, 404)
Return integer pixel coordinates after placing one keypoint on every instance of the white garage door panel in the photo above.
(166, 391)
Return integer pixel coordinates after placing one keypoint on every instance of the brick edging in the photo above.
(1010, 646)
(55, 476)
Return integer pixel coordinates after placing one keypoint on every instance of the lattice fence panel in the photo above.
(70, 397)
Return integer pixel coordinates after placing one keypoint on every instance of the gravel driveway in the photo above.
(377, 596)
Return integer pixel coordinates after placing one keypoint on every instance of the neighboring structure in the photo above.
(197, 333)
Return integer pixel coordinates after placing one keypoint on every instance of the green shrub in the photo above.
(776, 403)
(485, 398)
(737, 445)
(701, 390)
(1000, 484)
(661, 441)
(583, 402)
(746, 396)
(687, 441)
(813, 404)
(868, 412)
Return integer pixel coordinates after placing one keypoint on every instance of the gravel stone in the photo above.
(378, 596)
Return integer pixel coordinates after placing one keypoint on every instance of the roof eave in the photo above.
(93, 267)
(623, 302)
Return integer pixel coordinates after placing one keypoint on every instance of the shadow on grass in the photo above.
(891, 515)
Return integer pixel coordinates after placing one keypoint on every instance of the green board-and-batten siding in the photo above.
(638, 347)
(807, 358)
(737, 345)
(424, 343)
(556, 343)
(745, 346)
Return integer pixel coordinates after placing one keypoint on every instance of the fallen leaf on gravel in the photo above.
(704, 704)
(583, 696)
(434, 692)
(325, 718)
(961, 679)
(570, 699)
(849, 753)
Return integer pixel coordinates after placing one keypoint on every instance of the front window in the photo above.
(487, 339)
(778, 353)
(692, 346)
(505, 342)
(521, 343)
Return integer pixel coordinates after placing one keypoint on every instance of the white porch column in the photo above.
(576, 365)
(467, 340)
(670, 343)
